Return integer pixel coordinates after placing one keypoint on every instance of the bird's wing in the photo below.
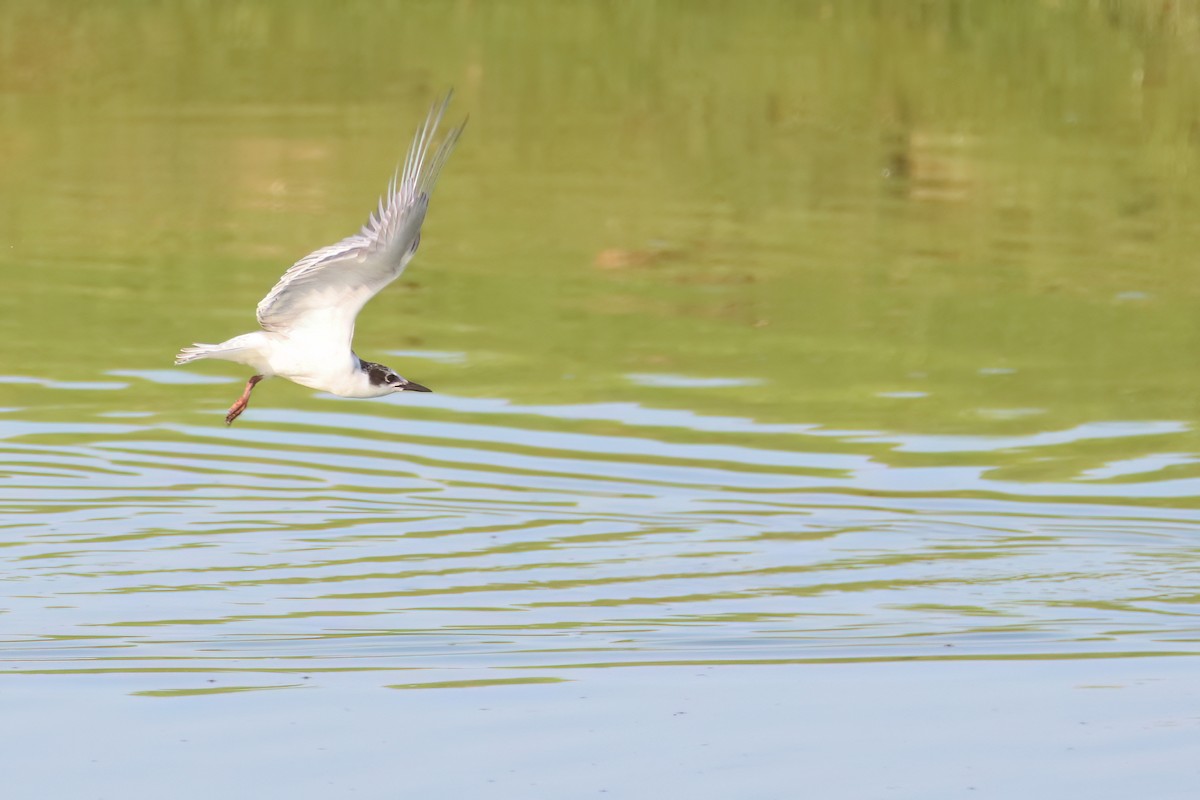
(324, 291)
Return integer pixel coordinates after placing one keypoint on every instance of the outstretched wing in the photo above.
(324, 291)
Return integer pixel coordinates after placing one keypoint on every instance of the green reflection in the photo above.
(927, 217)
(761, 295)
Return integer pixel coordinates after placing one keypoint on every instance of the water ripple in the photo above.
(484, 532)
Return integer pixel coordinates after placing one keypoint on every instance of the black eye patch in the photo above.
(378, 374)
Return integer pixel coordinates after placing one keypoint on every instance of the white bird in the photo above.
(308, 318)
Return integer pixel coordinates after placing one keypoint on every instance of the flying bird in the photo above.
(307, 319)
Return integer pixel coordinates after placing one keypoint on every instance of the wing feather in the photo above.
(325, 290)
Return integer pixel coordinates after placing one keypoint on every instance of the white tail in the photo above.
(198, 351)
(250, 349)
(244, 349)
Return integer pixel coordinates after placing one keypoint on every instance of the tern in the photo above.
(307, 319)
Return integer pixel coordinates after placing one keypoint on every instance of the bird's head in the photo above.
(387, 379)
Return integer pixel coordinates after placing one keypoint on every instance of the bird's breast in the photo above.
(319, 364)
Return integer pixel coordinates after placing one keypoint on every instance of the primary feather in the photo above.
(324, 291)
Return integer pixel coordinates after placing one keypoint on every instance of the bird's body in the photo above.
(302, 357)
(307, 319)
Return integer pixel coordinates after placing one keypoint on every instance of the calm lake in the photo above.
(814, 413)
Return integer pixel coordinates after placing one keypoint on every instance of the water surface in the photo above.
(814, 387)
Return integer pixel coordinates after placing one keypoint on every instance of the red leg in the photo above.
(237, 408)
